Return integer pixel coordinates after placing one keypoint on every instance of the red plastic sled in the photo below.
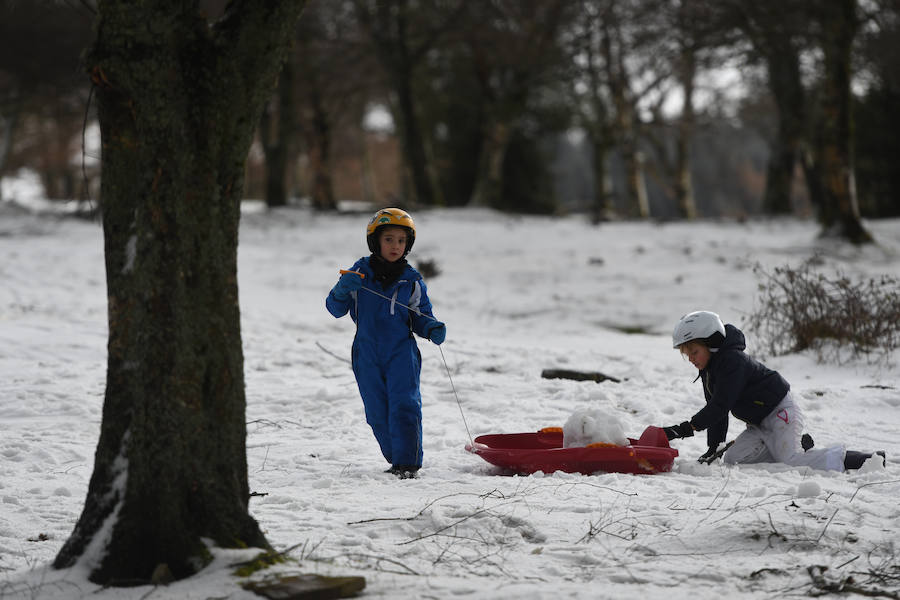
(543, 451)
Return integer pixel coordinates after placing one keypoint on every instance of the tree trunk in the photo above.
(489, 183)
(411, 139)
(276, 131)
(389, 24)
(839, 25)
(684, 186)
(635, 182)
(786, 85)
(318, 143)
(626, 130)
(178, 100)
(602, 207)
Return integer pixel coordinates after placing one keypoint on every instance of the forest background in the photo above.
(640, 109)
(658, 109)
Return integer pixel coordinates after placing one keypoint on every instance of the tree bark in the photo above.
(777, 33)
(489, 182)
(388, 25)
(8, 124)
(786, 85)
(602, 207)
(178, 100)
(318, 143)
(626, 127)
(276, 132)
(684, 186)
(840, 216)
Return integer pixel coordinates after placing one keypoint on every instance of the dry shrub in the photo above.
(837, 318)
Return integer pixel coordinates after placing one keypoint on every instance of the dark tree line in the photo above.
(42, 89)
(480, 92)
(476, 90)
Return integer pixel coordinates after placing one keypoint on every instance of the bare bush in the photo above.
(837, 318)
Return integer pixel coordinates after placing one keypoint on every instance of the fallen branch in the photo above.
(846, 585)
(827, 524)
(577, 375)
(868, 484)
(329, 352)
(492, 494)
(453, 524)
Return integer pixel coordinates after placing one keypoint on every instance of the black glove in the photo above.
(710, 455)
(714, 453)
(679, 431)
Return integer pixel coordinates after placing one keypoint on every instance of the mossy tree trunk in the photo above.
(178, 100)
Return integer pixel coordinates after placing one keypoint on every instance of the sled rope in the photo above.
(452, 387)
(458, 403)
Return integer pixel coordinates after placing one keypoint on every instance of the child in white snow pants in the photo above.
(777, 439)
(736, 384)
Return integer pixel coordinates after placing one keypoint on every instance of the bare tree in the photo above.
(618, 48)
(178, 98)
(778, 35)
(402, 33)
(838, 25)
(336, 77)
(276, 134)
(41, 85)
(513, 47)
(592, 101)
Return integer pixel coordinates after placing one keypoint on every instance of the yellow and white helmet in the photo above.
(390, 217)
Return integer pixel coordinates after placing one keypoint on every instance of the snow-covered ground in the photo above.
(519, 295)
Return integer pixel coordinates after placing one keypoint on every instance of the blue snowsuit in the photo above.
(386, 359)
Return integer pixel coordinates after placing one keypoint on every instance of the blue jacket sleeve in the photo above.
(339, 308)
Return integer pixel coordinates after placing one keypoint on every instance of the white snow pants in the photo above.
(777, 439)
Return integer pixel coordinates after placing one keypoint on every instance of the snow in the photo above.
(593, 426)
(518, 295)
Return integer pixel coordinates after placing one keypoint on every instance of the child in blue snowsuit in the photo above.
(388, 301)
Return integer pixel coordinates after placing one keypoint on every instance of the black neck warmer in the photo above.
(386, 272)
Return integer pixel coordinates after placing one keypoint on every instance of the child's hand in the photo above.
(681, 430)
(436, 332)
(349, 282)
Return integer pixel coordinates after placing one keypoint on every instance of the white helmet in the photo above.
(699, 325)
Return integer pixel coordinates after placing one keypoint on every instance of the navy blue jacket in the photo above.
(736, 383)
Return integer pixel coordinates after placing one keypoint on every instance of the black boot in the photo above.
(855, 460)
(806, 442)
(404, 471)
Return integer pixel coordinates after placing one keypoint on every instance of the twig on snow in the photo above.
(337, 356)
(868, 484)
(454, 524)
(827, 524)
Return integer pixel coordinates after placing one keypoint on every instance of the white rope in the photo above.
(458, 403)
(452, 387)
